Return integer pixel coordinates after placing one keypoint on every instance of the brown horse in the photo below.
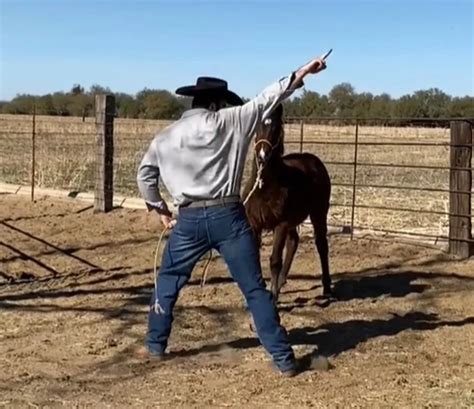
(293, 187)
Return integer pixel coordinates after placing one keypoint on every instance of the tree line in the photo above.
(341, 102)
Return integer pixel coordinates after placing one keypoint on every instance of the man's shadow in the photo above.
(331, 339)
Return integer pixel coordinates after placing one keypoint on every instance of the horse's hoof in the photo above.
(329, 295)
(275, 299)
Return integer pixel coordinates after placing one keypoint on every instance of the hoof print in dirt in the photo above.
(320, 363)
(315, 362)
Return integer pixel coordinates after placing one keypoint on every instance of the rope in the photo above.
(258, 180)
(206, 269)
(257, 185)
(157, 307)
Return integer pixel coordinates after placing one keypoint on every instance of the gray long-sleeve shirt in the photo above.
(202, 155)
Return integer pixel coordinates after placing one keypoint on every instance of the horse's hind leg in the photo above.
(279, 239)
(319, 221)
(292, 242)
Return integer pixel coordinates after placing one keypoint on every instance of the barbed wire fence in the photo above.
(404, 177)
(43, 151)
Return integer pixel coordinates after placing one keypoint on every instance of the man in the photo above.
(200, 159)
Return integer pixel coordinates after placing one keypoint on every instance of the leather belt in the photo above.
(221, 201)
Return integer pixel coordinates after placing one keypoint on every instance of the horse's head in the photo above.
(269, 138)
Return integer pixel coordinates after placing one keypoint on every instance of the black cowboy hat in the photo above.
(207, 85)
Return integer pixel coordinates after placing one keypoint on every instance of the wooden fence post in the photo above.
(460, 185)
(104, 120)
(33, 154)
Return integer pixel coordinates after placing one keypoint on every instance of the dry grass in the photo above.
(66, 154)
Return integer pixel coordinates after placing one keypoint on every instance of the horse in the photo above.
(282, 192)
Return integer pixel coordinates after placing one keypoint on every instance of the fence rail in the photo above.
(460, 213)
(377, 171)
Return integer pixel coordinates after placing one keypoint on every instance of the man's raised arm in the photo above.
(245, 118)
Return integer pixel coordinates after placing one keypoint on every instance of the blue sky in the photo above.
(379, 46)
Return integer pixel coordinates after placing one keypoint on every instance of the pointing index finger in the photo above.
(326, 55)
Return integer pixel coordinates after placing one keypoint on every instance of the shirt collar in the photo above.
(193, 111)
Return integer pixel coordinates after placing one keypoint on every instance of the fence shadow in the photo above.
(22, 255)
(328, 339)
(45, 242)
(42, 216)
(71, 250)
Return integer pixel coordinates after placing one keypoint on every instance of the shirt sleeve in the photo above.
(245, 118)
(148, 177)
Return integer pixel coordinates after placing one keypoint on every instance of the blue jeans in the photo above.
(226, 229)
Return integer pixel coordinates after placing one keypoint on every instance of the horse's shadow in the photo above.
(391, 284)
(334, 338)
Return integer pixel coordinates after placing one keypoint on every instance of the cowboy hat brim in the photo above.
(192, 90)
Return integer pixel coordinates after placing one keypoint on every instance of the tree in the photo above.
(21, 104)
(79, 103)
(342, 100)
(127, 107)
(432, 103)
(313, 104)
(158, 104)
(77, 89)
(382, 106)
(45, 105)
(363, 105)
(61, 102)
(99, 89)
(405, 107)
(461, 107)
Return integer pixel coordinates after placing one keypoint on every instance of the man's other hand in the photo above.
(168, 221)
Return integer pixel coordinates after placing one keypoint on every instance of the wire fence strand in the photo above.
(399, 180)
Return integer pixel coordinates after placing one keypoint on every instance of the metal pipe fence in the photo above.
(414, 180)
(417, 156)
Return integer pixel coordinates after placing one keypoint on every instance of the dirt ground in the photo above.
(401, 333)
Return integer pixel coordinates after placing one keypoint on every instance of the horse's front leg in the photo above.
(276, 259)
